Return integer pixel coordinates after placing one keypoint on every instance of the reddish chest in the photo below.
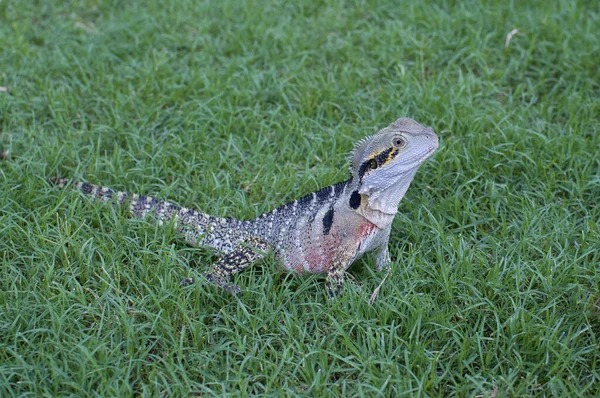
(319, 252)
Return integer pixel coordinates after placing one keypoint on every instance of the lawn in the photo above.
(237, 107)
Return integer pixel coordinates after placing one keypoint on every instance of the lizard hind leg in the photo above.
(245, 254)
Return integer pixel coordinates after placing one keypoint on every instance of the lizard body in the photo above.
(323, 232)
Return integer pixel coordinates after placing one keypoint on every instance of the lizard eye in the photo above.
(373, 164)
(399, 142)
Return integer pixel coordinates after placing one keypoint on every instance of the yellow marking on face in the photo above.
(382, 158)
(391, 155)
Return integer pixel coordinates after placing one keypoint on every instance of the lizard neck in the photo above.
(380, 206)
(378, 218)
(388, 197)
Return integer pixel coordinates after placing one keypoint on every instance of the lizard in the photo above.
(323, 232)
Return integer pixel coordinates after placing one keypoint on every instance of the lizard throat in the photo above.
(380, 206)
(379, 218)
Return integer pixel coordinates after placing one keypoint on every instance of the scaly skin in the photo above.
(324, 232)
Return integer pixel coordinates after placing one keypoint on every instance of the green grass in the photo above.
(236, 107)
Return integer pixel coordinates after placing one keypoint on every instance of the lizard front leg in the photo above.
(382, 261)
(334, 284)
(249, 251)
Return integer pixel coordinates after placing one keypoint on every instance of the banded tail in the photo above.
(198, 228)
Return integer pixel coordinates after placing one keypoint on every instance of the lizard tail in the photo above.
(198, 228)
(105, 194)
(139, 205)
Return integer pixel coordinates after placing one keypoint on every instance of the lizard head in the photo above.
(383, 165)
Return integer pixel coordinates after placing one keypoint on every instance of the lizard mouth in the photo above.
(432, 149)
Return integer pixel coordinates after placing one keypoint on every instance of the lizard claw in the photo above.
(220, 281)
(333, 292)
(186, 281)
(233, 289)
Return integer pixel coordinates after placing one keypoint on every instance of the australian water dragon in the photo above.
(323, 232)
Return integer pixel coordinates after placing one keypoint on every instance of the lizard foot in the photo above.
(233, 289)
(186, 281)
(334, 290)
(221, 282)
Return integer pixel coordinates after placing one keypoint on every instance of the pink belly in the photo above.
(319, 257)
